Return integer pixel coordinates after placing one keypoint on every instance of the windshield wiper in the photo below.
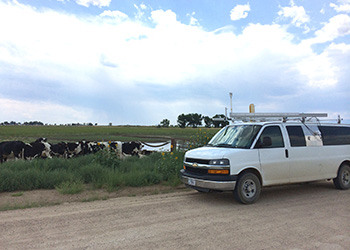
(224, 145)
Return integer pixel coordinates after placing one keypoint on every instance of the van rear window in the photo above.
(296, 136)
(333, 135)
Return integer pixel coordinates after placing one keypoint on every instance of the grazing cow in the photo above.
(124, 149)
(59, 149)
(41, 139)
(37, 149)
(103, 145)
(94, 147)
(87, 147)
(131, 149)
(11, 150)
(115, 145)
(73, 149)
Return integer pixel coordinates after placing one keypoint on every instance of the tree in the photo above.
(194, 120)
(165, 123)
(222, 122)
(208, 121)
(182, 121)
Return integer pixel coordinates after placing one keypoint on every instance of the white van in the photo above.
(246, 156)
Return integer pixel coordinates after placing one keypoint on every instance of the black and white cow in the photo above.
(87, 147)
(73, 149)
(94, 147)
(131, 148)
(11, 150)
(124, 149)
(59, 149)
(115, 145)
(103, 145)
(38, 149)
(41, 139)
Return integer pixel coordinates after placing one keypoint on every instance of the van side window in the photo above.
(332, 135)
(271, 137)
(296, 136)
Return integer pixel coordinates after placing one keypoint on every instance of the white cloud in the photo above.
(165, 18)
(338, 26)
(140, 11)
(193, 20)
(328, 68)
(319, 71)
(239, 12)
(143, 6)
(22, 111)
(297, 14)
(118, 15)
(102, 64)
(343, 7)
(115, 13)
(98, 3)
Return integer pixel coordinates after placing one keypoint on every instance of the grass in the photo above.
(70, 187)
(97, 133)
(100, 170)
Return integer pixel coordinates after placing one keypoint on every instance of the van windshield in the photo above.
(238, 136)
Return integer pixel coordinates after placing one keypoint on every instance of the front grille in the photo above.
(197, 170)
(199, 161)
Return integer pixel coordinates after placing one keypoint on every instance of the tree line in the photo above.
(32, 123)
(38, 123)
(195, 120)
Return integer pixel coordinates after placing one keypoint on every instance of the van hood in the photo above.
(210, 153)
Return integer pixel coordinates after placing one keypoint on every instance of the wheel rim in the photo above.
(249, 188)
(345, 177)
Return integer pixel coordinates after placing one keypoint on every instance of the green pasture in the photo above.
(99, 133)
(102, 169)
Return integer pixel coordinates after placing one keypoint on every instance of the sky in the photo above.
(131, 62)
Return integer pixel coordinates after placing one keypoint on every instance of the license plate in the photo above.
(191, 182)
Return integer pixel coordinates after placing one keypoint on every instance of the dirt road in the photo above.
(309, 216)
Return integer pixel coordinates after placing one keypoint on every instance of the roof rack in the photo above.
(275, 116)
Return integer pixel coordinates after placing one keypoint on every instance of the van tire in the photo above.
(248, 188)
(342, 181)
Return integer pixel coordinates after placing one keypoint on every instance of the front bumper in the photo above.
(198, 183)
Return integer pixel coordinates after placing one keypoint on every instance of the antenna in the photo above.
(339, 119)
(231, 100)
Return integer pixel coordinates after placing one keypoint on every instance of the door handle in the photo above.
(287, 153)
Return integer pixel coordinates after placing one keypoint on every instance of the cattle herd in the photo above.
(42, 149)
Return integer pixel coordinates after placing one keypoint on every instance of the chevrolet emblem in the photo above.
(195, 165)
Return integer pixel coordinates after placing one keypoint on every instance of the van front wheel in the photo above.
(342, 181)
(248, 188)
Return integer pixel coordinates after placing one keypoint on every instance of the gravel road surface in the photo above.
(307, 216)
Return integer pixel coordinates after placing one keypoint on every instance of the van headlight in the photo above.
(219, 162)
